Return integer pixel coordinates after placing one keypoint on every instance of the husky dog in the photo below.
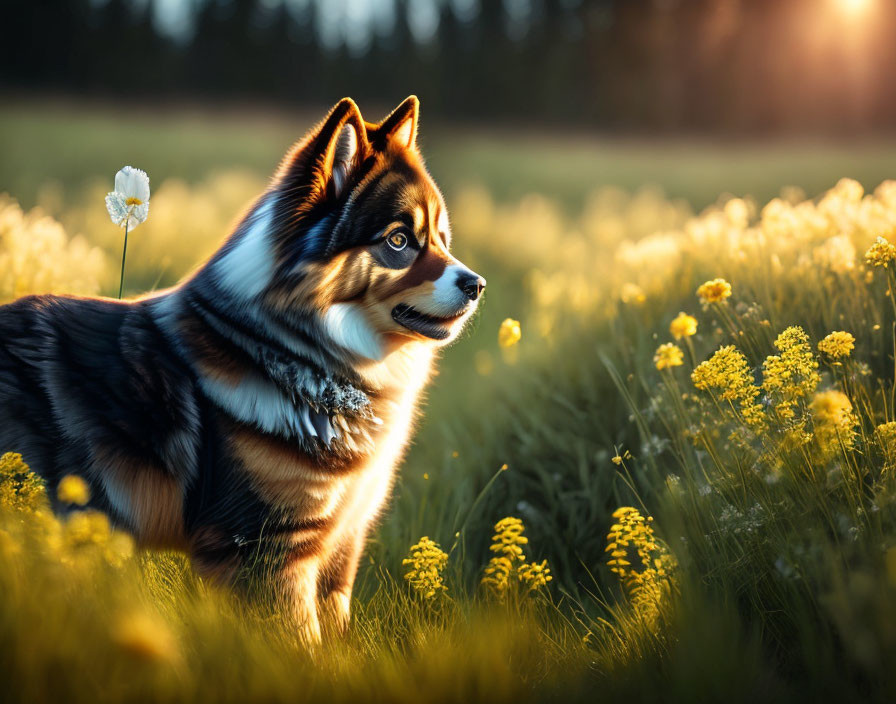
(254, 414)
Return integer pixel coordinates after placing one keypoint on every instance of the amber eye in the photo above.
(397, 241)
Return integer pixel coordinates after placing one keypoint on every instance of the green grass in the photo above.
(74, 144)
(786, 550)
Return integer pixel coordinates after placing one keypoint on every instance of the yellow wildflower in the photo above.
(508, 538)
(728, 374)
(87, 528)
(793, 374)
(837, 344)
(644, 566)
(668, 355)
(498, 573)
(510, 561)
(886, 440)
(834, 423)
(145, 637)
(38, 256)
(535, 575)
(715, 291)
(881, 253)
(72, 489)
(88, 535)
(619, 459)
(886, 435)
(509, 333)
(683, 325)
(632, 294)
(425, 563)
(20, 488)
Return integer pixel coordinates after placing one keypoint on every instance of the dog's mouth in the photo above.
(427, 325)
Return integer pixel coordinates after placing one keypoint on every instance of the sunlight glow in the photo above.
(854, 8)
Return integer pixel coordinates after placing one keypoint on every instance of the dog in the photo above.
(254, 414)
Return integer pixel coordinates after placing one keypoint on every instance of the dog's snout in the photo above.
(471, 284)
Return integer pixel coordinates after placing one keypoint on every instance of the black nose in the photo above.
(471, 285)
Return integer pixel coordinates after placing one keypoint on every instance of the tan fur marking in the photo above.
(428, 267)
(282, 479)
(419, 218)
(343, 278)
(152, 498)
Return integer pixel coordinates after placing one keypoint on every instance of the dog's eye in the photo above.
(397, 241)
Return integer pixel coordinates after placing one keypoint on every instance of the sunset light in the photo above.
(854, 8)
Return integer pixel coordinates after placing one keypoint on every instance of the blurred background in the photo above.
(556, 96)
(722, 66)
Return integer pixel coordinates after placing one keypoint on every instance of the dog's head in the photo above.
(360, 237)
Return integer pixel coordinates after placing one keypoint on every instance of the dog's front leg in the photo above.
(337, 578)
(300, 582)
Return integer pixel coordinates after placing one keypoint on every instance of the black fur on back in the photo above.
(81, 374)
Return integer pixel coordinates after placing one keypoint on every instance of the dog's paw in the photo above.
(336, 612)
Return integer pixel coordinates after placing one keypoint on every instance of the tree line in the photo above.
(626, 65)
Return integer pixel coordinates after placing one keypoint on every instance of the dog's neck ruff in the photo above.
(290, 386)
(326, 393)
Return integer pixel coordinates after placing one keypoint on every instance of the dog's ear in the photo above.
(401, 125)
(323, 163)
(338, 146)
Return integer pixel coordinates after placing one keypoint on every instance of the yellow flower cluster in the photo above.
(509, 333)
(715, 291)
(834, 423)
(837, 344)
(881, 253)
(425, 564)
(631, 540)
(535, 575)
(90, 533)
(683, 325)
(20, 488)
(509, 561)
(727, 375)
(72, 489)
(507, 542)
(793, 374)
(885, 434)
(668, 355)
(85, 538)
(38, 257)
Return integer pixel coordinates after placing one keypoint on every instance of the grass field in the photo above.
(755, 454)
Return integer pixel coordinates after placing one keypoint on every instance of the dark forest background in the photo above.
(741, 66)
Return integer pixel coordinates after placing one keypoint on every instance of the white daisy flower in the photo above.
(128, 204)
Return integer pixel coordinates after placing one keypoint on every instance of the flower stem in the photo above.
(124, 254)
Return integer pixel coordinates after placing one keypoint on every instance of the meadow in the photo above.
(696, 429)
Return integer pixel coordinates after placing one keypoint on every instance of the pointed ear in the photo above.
(401, 125)
(338, 147)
